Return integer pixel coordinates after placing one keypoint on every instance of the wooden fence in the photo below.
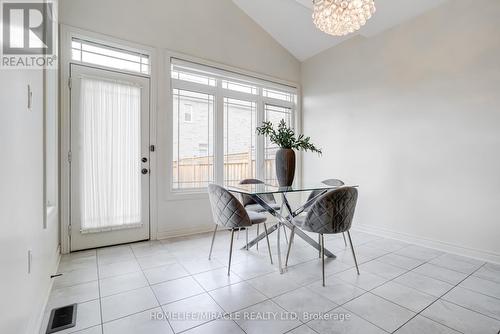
(197, 172)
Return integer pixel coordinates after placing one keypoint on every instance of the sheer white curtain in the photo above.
(110, 148)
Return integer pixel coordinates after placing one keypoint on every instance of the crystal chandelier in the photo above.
(341, 17)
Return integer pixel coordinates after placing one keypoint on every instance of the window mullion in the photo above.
(259, 151)
(219, 134)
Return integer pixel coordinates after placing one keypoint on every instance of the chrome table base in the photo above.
(285, 221)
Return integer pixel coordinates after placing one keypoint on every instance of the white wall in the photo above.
(23, 295)
(215, 30)
(412, 116)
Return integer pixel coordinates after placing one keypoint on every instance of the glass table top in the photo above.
(261, 189)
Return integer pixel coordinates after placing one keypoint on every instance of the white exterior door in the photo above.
(109, 157)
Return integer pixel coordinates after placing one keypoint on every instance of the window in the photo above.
(214, 108)
(202, 149)
(191, 77)
(108, 56)
(239, 87)
(192, 167)
(188, 112)
(239, 140)
(278, 95)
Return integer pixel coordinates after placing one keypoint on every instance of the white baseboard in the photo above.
(182, 232)
(435, 244)
(39, 320)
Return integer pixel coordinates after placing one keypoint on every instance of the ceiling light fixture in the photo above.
(341, 17)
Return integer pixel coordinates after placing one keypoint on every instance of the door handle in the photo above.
(144, 171)
(144, 159)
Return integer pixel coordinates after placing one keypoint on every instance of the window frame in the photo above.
(119, 53)
(225, 73)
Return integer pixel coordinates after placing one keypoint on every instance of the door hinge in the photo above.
(69, 82)
(152, 148)
(70, 156)
(69, 229)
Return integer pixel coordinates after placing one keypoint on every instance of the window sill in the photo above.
(187, 195)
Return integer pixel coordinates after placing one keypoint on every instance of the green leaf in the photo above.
(284, 137)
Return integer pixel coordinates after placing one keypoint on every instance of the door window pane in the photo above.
(273, 114)
(110, 148)
(108, 56)
(193, 161)
(239, 140)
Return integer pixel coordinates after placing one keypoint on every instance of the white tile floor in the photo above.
(402, 289)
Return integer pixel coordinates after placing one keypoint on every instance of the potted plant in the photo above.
(286, 139)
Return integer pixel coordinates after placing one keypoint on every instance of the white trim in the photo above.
(182, 232)
(430, 243)
(234, 72)
(109, 229)
(194, 87)
(66, 35)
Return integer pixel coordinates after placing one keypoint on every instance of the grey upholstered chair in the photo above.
(251, 205)
(229, 213)
(328, 182)
(331, 213)
(314, 193)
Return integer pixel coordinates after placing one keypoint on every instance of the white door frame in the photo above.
(67, 34)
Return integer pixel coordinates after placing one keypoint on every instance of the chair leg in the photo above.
(284, 227)
(212, 245)
(230, 252)
(352, 249)
(292, 234)
(268, 244)
(257, 245)
(319, 242)
(246, 230)
(323, 258)
(345, 241)
(238, 235)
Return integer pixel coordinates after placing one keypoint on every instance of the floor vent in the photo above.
(62, 318)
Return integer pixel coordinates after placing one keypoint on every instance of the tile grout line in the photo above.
(438, 298)
(420, 313)
(480, 293)
(369, 291)
(99, 290)
(154, 294)
(390, 280)
(302, 285)
(208, 293)
(306, 285)
(205, 292)
(267, 298)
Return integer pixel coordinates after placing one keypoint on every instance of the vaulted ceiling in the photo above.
(289, 22)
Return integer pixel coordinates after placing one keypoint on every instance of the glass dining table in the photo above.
(258, 191)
